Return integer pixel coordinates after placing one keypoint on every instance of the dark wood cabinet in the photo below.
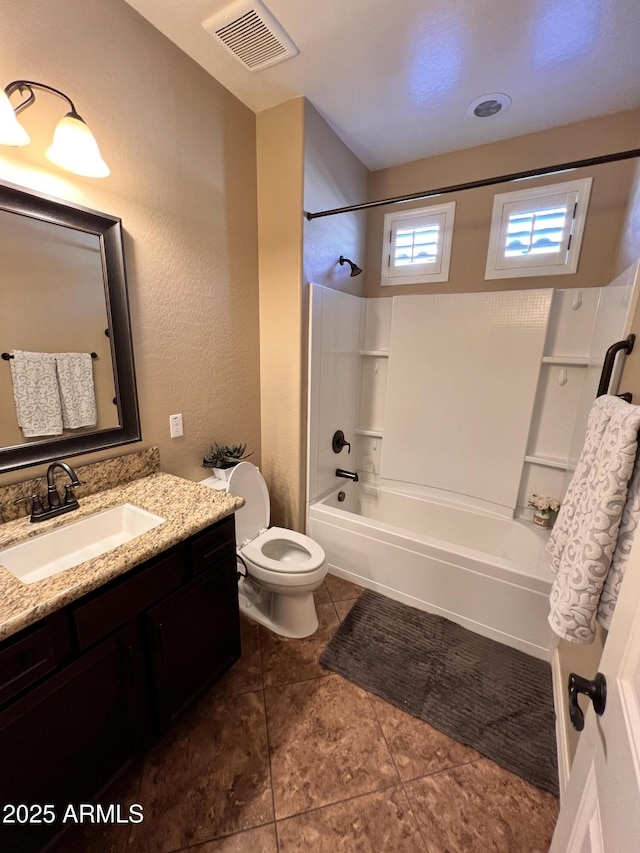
(194, 634)
(192, 641)
(65, 738)
(74, 710)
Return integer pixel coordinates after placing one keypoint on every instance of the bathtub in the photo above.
(487, 573)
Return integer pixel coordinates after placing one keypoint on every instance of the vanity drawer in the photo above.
(210, 546)
(24, 661)
(127, 598)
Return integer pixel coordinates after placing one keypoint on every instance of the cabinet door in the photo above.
(195, 637)
(61, 742)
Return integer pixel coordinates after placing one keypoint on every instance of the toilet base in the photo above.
(289, 615)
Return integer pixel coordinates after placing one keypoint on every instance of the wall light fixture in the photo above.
(74, 147)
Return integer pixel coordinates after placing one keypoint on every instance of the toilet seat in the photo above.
(284, 551)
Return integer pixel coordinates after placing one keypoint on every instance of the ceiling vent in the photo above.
(250, 32)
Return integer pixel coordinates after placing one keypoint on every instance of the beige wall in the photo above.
(333, 177)
(280, 144)
(473, 207)
(629, 249)
(302, 165)
(182, 155)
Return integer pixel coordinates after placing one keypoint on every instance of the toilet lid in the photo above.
(247, 482)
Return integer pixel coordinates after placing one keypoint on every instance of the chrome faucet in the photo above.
(348, 475)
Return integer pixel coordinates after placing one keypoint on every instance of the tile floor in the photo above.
(282, 755)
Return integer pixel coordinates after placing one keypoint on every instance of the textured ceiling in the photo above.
(394, 80)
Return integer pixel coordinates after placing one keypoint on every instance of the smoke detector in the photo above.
(249, 31)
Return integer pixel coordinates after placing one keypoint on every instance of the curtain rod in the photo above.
(485, 182)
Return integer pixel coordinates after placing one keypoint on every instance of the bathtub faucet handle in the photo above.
(339, 441)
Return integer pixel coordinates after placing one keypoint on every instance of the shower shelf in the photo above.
(574, 360)
(548, 461)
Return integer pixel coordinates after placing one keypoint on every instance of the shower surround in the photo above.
(458, 407)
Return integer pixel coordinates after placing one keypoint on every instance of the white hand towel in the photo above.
(36, 394)
(77, 392)
(584, 538)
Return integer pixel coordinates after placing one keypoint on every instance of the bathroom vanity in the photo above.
(111, 654)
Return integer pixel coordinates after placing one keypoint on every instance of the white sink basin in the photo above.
(72, 544)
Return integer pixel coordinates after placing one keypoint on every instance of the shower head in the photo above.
(355, 269)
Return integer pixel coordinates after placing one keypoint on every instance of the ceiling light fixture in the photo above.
(488, 106)
(74, 147)
(355, 269)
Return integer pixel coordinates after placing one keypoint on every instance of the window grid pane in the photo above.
(416, 245)
(535, 232)
(538, 231)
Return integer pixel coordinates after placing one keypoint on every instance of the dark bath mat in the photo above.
(483, 694)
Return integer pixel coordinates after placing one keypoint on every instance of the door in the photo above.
(601, 807)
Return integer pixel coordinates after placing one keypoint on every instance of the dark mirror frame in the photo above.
(109, 231)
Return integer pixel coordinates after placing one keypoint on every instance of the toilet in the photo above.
(283, 567)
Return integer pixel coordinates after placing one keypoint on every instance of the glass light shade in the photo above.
(75, 149)
(11, 131)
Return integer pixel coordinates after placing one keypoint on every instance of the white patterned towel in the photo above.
(584, 538)
(628, 525)
(77, 392)
(36, 395)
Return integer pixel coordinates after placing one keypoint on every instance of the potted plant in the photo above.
(544, 509)
(223, 457)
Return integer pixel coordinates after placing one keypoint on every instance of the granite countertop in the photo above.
(187, 507)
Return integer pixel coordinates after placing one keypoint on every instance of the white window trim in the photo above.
(524, 266)
(425, 272)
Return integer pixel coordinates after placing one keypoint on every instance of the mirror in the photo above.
(63, 290)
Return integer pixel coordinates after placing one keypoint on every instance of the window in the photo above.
(538, 231)
(417, 245)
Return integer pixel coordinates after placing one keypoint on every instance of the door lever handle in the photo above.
(596, 690)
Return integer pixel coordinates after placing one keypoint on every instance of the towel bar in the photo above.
(609, 361)
(7, 355)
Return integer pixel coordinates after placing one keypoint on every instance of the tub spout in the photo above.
(348, 475)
